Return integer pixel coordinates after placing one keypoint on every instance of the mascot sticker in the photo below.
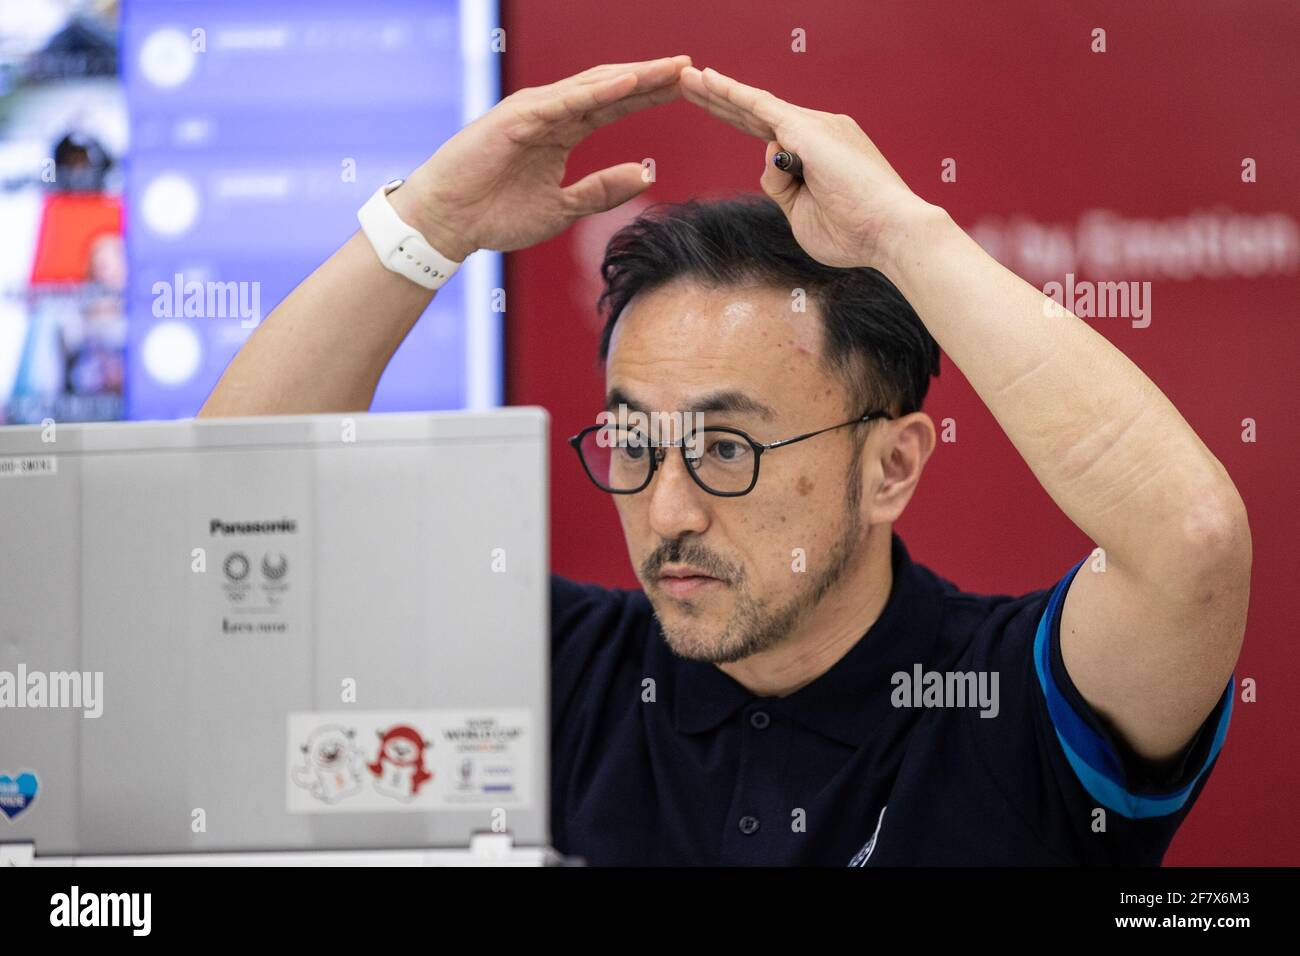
(399, 768)
(380, 761)
(330, 768)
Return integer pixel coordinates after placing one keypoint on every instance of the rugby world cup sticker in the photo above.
(395, 761)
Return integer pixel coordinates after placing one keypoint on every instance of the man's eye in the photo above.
(631, 445)
(728, 450)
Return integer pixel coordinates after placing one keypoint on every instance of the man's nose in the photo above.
(677, 503)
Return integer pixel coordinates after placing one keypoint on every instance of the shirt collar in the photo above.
(850, 701)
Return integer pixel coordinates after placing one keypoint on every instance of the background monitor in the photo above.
(170, 171)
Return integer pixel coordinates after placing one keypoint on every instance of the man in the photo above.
(790, 687)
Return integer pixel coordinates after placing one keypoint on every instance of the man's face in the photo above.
(676, 349)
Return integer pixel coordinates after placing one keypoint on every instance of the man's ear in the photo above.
(895, 456)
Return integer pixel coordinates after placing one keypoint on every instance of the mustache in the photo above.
(676, 552)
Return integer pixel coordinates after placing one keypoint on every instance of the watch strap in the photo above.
(400, 247)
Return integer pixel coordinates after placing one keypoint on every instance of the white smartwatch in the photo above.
(400, 247)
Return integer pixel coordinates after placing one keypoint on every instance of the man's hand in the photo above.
(851, 209)
(497, 183)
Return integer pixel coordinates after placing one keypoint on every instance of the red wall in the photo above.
(1042, 129)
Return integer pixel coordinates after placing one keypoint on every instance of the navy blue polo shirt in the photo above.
(657, 760)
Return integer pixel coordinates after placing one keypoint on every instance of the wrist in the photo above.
(913, 242)
(412, 202)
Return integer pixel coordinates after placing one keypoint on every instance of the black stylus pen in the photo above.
(788, 162)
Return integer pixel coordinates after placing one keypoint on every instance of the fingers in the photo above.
(757, 103)
(574, 102)
(630, 104)
(605, 189)
(696, 91)
(747, 108)
(577, 98)
(646, 70)
(777, 183)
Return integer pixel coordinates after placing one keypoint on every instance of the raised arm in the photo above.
(1151, 642)
(497, 184)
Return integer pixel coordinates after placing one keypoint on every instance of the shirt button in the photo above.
(759, 720)
(748, 825)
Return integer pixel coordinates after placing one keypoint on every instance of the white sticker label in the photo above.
(20, 466)
(397, 760)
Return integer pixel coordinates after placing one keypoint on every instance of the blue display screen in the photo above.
(257, 129)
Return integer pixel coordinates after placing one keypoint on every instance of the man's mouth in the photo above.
(680, 581)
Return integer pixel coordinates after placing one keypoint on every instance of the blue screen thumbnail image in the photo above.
(257, 131)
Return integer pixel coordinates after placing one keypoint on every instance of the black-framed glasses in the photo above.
(722, 460)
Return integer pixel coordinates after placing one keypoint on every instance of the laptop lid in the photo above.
(280, 633)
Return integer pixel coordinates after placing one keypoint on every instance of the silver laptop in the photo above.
(267, 635)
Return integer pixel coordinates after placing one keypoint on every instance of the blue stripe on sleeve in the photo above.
(1094, 761)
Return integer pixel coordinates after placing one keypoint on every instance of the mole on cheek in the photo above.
(804, 485)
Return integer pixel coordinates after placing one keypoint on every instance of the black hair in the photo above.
(872, 338)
